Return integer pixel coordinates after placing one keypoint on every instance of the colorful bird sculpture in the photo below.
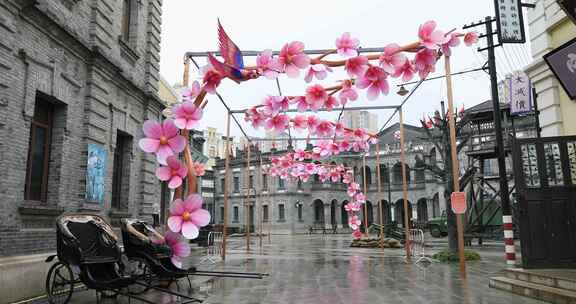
(233, 65)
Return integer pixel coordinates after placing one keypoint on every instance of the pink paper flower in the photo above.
(211, 80)
(300, 122)
(406, 71)
(278, 123)
(163, 140)
(324, 129)
(319, 71)
(357, 234)
(353, 188)
(453, 42)
(300, 102)
(352, 207)
(331, 103)
(274, 104)
(188, 216)
(255, 117)
(375, 81)
(198, 168)
(268, 65)
(347, 179)
(347, 46)
(345, 145)
(313, 122)
(174, 173)
(360, 198)
(431, 38)
(315, 96)
(354, 222)
(391, 59)
(347, 93)
(339, 128)
(292, 58)
(425, 62)
(186, 115)
(471, 38)
(180, 248)
(334, 175)
(356, 66)
(193, 92)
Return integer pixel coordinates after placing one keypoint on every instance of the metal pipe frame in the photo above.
(256, 53)
(391, 107)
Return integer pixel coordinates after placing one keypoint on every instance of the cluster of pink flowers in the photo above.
(164, 139)
(297, 165)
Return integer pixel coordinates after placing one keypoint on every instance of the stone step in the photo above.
(563, 279)
(535, 291)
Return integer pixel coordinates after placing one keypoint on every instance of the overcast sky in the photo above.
(258, 24)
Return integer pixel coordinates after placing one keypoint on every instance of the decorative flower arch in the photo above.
(370, 73)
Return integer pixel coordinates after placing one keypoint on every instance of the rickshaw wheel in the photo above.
(59, 283)
(139, 268)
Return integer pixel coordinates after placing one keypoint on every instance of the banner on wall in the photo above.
(516, 90)
(562, 62)
(95, 173)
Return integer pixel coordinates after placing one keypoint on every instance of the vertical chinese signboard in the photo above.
(510, 21)
(520, 94)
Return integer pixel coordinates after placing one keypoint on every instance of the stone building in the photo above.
(77, 80)
(292, 207)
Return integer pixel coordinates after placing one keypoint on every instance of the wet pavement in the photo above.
(322, 269)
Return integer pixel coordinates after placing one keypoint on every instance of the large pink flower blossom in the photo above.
(292, 58)
(211, 80)
(360, 198)
(319, 71)
(356, 66)
(188, 216)
(162, 139)
(406, 71)
(352, 207)
(268, 65)
(180, 248)
(431, 38)
(278, 123)
(357, 234)
(313, 122)
(345, 145)
(470, 38)
(347, 46)
(453, 42)
(274, 104)
(347, 179)
(347, 93)
(186, 115)
(300, 102)
(353, 188)
(375, 81)
(339, 128)
(173, 173)
(255, 117)
(334, 175)
(300, 122)
(191, 93)
(391, 59)
(315, 96)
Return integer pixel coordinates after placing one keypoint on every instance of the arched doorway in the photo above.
(370, 212)
(397, 173)
(344, 214)
(386, 212)
(400, 211)
(318, 212)
(422, 211)
(333, 208)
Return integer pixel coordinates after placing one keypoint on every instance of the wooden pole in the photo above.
(378, 178)
(261, 210)
(366, 195)
(455, 165)
(404, 187)
(186, 76)
(226, 188)
(247, 198)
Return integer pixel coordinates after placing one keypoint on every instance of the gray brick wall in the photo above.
(71, 53)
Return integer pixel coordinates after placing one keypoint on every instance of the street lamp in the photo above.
(402, 91)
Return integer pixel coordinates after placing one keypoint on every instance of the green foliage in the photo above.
(447, 256)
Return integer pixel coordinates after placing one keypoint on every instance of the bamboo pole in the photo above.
(247, 198)
(378, 178)
(226, 188)
(366, 195)
(261, 209)
(186, 76)
(404, 187)
(455, 165)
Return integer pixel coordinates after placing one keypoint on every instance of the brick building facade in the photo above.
(75, 74)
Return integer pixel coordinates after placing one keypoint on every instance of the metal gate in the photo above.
(545, 177)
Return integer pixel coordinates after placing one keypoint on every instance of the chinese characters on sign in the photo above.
(509, 21)
(520, 94)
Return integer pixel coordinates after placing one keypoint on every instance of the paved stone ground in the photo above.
(321, 269)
